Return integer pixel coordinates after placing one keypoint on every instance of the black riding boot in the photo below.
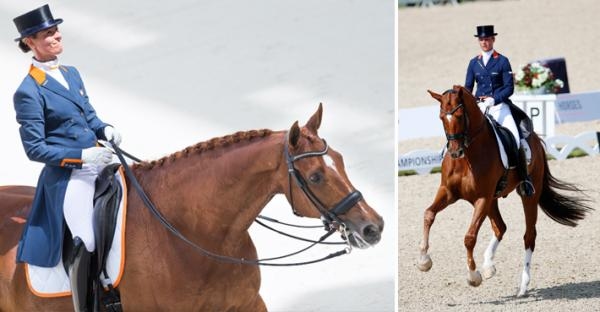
(80, 277)
(525, 187)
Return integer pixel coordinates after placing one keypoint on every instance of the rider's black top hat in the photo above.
(485, 31)
(34, 21)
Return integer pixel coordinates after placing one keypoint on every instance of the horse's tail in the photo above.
(564, 209)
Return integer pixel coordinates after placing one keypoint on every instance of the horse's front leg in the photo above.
(440, 202)
(499, 228)
(479, 214)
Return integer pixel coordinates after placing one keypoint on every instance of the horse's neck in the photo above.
(220, 191)
(483, 141)
(477, 119)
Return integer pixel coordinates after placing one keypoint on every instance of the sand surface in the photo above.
(434, 47)
(565, 271)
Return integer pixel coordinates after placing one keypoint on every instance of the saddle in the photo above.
(508, 142)
(525, 128)
(106, 206)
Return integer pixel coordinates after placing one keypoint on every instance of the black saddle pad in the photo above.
(508, 141)
(106, 207)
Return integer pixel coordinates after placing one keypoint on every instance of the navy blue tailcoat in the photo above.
(56, 124)
(495, 79)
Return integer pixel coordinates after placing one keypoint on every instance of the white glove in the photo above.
(96, 155)
(487, 102)
(111, 134)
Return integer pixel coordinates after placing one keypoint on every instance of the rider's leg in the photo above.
(78, 213)
(503, 115)
(78, 207)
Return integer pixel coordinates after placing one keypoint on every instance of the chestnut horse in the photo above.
(471, 169)
(211, 193)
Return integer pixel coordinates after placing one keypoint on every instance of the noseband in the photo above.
(330, 217)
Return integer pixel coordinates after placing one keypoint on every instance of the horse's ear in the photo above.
(435, 95)
(314, 122)
(294, 134)
(459, 90)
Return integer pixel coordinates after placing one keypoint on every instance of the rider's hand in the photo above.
(96, 155)
(489, 101)
(485, 103)
(111, 134)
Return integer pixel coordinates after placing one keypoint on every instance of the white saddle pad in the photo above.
(54, 282)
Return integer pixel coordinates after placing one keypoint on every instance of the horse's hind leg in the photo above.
(499, 228)
(439, 203)
(479, 214)
(530, 206)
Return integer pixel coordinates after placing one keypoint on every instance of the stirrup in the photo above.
(525, 188)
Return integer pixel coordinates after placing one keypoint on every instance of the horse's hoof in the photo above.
(425, 263)
(489, 272)
(474, 278)
(521, 293)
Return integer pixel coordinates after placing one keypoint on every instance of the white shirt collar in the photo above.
(46, 66)
(51, 68)
(487, 54)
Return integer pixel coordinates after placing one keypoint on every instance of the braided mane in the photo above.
(199, 148)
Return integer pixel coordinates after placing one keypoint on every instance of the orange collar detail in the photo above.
(38, 75)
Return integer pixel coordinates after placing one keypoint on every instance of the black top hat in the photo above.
(485, 31)
(34, 21)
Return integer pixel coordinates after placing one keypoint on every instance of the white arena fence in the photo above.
(559, 147)
(544, 110)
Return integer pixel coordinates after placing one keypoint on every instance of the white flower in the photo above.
(559, 83)
(542, 76)
(536, 66)
(520, 75)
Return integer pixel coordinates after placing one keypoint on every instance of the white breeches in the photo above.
(78, 207)
(501, 113)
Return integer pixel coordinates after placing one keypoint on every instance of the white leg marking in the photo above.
(489, 269)
(490, 252)
(525, 276)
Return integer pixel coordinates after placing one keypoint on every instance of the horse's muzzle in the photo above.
(367, 236)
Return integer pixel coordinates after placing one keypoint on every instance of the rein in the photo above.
(227, 259)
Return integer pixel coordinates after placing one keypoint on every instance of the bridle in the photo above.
(464, 135)
(330, 217)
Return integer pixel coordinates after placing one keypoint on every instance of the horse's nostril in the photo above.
(371, 233)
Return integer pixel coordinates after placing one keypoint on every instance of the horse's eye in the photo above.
(316, 178)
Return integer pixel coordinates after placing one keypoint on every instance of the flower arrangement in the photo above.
(537, 78)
